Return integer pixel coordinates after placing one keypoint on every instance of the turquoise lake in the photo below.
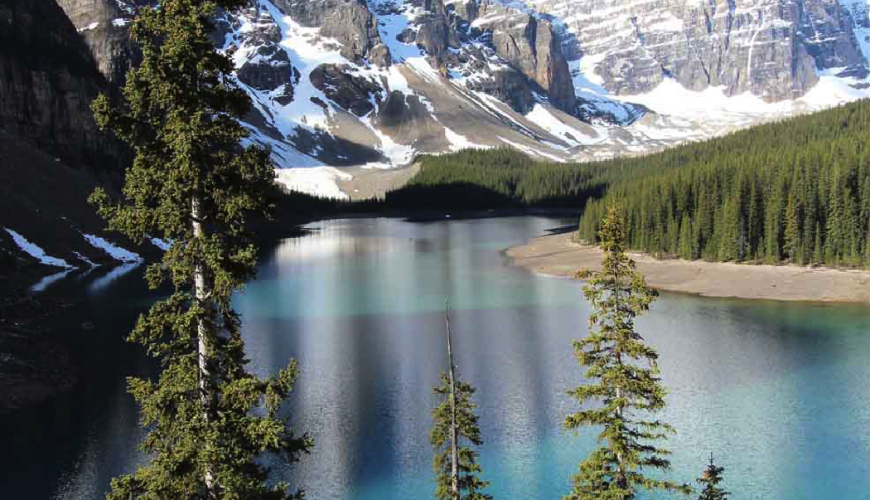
(779, 392)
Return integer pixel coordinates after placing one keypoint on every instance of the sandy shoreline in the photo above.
(556, 255)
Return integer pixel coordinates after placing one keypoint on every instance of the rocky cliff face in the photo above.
(766, 47)
(375, 82)
(104, 26)
(49, 79)
(348, 22)
(530, 45)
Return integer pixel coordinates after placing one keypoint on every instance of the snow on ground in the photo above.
(161, 244)
(114, 251)
(36, 252)
(546, 120)
(89, 27)
(530, 150)
(316, 181)
(861, 26)
(713, 105)
(86, 260)
(458, 142)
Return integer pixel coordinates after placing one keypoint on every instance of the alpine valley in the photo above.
(345, 88)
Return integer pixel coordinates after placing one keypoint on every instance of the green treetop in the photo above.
(469, 484)
(209, 421)
(456, 469)
(710, 482)
(624, 379)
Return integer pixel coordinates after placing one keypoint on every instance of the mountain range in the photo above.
(342, 88)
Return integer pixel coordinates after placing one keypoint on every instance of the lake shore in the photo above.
(557, 255)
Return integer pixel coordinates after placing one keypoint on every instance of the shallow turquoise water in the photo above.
(779, 392)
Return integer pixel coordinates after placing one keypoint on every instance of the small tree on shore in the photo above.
(456, 469)
(209, 421)
(624, 379)
(710, 480)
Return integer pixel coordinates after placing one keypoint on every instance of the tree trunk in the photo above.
(453, 434)
(203, 298)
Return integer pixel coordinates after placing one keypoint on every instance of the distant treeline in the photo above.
(795, 191)
(500, 178)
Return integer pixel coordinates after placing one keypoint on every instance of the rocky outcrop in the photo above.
(266, 66)
(104, 25)
(530, 45)
(353, 93)
(49, 79)
(512, 53)
(767, 47)
(347, 21)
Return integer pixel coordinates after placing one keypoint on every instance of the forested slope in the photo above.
(796, 191)
(500, 178)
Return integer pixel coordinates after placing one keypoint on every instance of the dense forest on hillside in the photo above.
(795, 191)
(500, 178)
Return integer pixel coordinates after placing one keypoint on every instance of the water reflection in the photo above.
(47, 281)
(777, 391)
(99, 285)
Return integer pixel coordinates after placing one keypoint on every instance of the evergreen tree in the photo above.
(625, 380)
(469, 484)
(793, 234)
(710, 483)
(686, 246)
(457, 473)
(210, 423)
(817, 245)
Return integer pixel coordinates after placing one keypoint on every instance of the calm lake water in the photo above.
(779, 392)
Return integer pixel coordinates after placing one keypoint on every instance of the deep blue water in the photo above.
(780, 392)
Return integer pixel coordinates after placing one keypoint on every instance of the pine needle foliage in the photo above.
(624, 379)
(212, 426)
(710, 483)
(470, 485)
(796, 191)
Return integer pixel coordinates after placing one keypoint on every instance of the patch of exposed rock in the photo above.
(352, 92)
(349, 22)
(768, 47)
(49, 80)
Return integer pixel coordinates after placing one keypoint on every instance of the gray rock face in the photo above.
(467, 35)
(350, 22)
(49, 80)
(531, 46)
(268, 68)
(104, 25)
(767, 47)
(349, 91)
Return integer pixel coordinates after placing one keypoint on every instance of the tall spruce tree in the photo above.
(710, 480)
(210, 423)
(457, 472)
(624, 379)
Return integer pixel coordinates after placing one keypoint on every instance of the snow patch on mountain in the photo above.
(113, 251)
(35, 251)
(86, 260)
(714, 107)
(315, 181)
(161, 244)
